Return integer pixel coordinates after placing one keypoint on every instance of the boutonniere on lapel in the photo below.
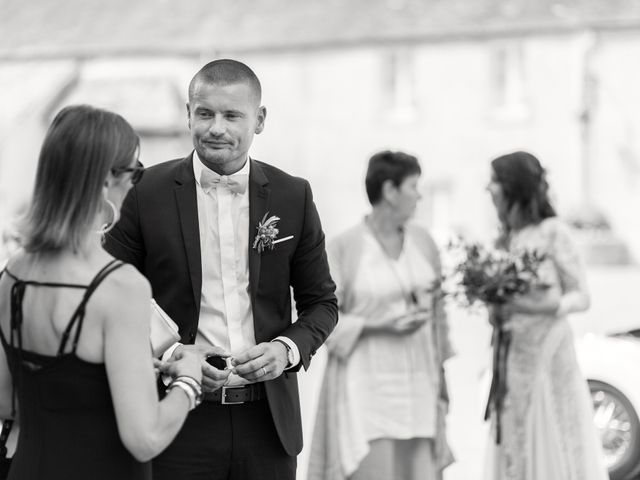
(268, 233)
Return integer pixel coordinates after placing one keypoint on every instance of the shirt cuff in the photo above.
(166, 379)
(294, 350)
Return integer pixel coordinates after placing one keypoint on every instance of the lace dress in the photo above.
(547, 426)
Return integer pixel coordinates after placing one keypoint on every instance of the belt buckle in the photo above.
(223, 396)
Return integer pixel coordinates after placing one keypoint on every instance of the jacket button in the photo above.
(192, 336)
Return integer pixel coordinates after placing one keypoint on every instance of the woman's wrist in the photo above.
(191, 387)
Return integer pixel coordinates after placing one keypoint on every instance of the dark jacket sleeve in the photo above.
(313, 287)
(125, 241)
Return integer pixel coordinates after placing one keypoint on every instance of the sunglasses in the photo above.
(136, 172)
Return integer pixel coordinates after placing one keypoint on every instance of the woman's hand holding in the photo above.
(188, 363)
(412, 321)
(402, 324)
(185, 362)
(500, 314)
(536, 302)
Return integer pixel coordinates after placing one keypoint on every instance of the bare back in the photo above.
(48, 305)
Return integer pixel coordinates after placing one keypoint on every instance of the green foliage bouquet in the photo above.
(492, 277)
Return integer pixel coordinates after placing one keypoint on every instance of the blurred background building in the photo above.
(455, 82)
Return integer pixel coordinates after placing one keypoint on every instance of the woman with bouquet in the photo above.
(545, 419)
(383, 400)
(74, 322)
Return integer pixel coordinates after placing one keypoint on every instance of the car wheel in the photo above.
(619, 429)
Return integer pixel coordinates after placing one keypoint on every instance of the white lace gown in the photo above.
(547, 425)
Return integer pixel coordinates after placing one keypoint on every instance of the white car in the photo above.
(611, 364)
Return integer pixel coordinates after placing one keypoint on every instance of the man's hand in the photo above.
(212, 378)
(265, 361)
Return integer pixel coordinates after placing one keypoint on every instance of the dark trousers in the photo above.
(226, 442)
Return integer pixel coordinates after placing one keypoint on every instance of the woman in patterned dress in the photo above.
(547, 431)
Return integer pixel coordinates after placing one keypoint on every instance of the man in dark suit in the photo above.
(222, 238)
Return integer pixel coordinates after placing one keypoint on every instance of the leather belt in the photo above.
(236, 395)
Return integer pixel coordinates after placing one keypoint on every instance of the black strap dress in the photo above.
(67, 422)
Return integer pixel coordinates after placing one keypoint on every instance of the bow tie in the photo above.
(237, 183)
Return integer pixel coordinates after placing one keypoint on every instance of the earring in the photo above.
(115, 214)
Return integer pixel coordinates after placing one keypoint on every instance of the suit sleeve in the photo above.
(125, 241)
(313, 287)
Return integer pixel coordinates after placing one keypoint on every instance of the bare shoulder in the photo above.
(127, 283)
(127, 277)
(123, 293)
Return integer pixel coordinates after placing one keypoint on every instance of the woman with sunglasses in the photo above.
(74, 322)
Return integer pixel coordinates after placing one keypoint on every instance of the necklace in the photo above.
(409, 294)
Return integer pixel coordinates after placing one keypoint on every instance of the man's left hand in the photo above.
(265, 361)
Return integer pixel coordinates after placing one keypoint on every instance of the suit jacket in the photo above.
(159, 234)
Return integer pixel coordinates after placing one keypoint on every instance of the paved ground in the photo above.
(615, 303)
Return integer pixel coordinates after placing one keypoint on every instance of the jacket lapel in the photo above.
(259, 195)
(187, 203)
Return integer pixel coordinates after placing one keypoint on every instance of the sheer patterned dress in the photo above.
(547, 422)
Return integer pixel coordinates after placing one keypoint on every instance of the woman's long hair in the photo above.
(524, 188)
(81, 146)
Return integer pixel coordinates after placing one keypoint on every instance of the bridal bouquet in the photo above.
(492, 277)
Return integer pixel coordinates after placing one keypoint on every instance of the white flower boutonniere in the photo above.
(267, 233)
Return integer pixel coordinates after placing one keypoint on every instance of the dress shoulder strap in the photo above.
(78, 315)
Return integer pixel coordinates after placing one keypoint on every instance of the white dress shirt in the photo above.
(226, 318)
